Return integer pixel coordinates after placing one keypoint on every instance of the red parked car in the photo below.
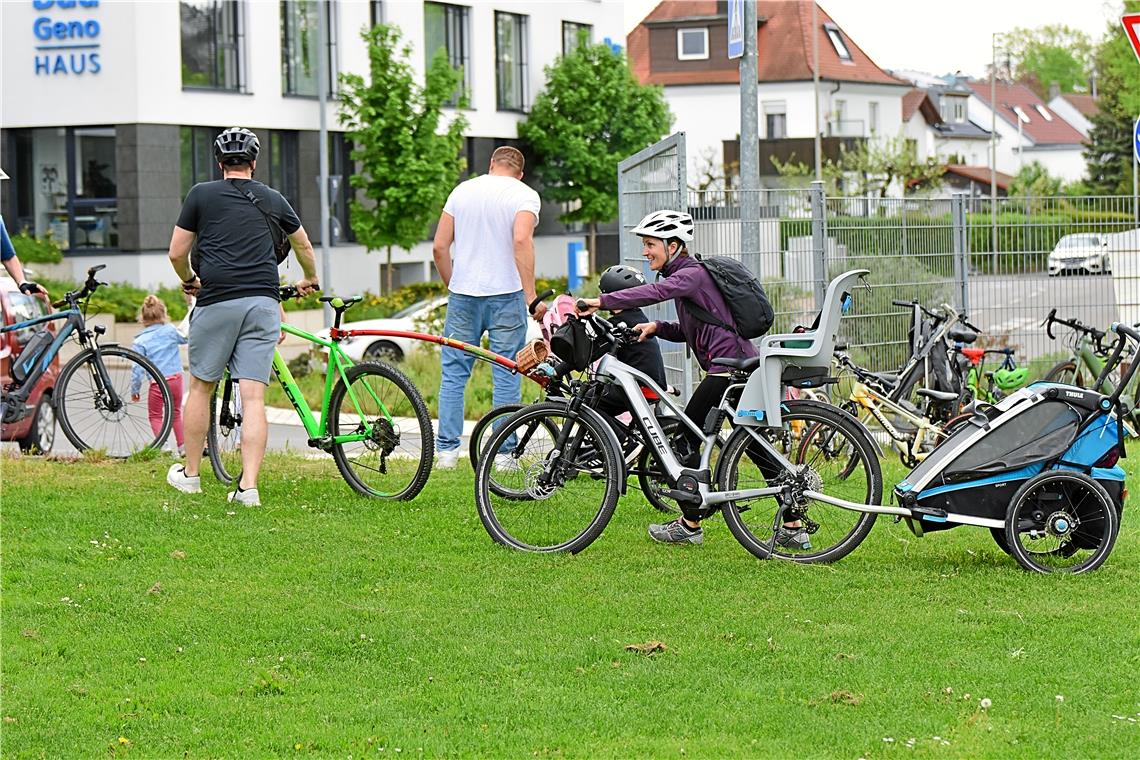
(36, 432)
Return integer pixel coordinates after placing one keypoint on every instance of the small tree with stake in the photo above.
(408, 165)
(591, 115)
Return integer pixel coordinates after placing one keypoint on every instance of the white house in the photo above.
(935, 118)
(682, 45)
(1028, 130)
(110, 110)
(1078, 110)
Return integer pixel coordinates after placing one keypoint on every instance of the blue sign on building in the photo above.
(66, 46)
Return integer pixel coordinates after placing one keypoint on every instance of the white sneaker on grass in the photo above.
(247, 496)
(446, 460)
(177, 477)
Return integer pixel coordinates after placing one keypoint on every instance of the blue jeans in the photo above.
(468, 317)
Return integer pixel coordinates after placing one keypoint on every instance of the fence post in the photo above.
(960, 239)
(819, 242)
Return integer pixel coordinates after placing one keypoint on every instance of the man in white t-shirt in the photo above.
(490, 275)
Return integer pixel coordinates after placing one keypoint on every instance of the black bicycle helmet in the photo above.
(620, 277)
(236, 145)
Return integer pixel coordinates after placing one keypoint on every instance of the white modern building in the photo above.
(682, 46)
(1077, 109)
(1027, 130)
(110, 108)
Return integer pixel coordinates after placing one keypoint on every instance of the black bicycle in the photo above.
(94, 399)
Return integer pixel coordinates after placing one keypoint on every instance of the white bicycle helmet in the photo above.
(665, 225)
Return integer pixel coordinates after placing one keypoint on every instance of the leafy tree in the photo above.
(1052, 53)
(872, 167)
(409, 160)
(1108, 158)
(591, 115)
(1034, 183)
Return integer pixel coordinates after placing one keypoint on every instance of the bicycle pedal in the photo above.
(683, 496)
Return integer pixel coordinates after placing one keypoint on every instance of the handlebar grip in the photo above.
(1049, 324)
(581, 304)
(904, 304)
(530, 307)
(1122, 329)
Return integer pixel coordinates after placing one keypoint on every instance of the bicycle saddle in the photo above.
(740, 365)
(937, 395)
(961, 334)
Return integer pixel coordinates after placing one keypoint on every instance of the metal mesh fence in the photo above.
(1005, 266)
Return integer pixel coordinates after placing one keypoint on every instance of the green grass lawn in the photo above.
(145, 623)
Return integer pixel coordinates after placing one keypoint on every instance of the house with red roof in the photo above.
(1027, 130)
(1076, 109)
(682, 46)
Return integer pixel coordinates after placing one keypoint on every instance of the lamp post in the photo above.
(993, 145)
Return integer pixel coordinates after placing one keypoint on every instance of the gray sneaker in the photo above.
(793, 538)
(676, 532)
(177, 477)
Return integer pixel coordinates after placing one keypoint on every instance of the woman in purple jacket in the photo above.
(681, 278)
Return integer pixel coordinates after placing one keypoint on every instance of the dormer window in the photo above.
(837, 41)
(693, 44)
(1044, 113)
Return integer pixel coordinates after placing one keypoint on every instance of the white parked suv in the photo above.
(423, 316)
(1082, 252)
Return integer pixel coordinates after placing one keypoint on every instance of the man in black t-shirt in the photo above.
(237, 319)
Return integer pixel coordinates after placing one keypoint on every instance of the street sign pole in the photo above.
(742, 18)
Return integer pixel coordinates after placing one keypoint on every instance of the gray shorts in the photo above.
(240, 332)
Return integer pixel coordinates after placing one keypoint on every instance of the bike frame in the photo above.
(74, 324)
(318, 432)
(611, 370)
(873, 402)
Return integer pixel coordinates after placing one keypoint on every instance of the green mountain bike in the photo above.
(373, 421)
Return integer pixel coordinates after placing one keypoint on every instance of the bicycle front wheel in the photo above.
(548, 498)
(94, 406)
(223, 441)
(382, 434)
(833, 455)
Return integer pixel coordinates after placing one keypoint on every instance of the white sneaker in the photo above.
(177, 477)
(446, 460)
(248, 496)
(506, 463)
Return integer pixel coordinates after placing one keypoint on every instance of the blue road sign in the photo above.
(1136, 140)
(735, 28)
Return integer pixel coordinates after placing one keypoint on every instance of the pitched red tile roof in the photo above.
(784, 40)
(919, 99)
(1085, 104)
(979, 174)
(1038, 129)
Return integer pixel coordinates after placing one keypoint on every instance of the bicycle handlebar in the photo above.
(1074, 324)
(530, 307)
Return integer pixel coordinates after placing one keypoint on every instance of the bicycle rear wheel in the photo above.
(93, 402)
(389, 450)
(840, 461)
(223, 439)
(560, 497)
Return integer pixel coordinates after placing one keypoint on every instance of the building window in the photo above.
(570, 36)
(873, 117)
(1044, 113)
(212, 42)
(692, 44)
(837, 42)
(278, 165)
(1021, 115)
(959, 115)
(198, 164)
(68, 185)
(376, 12)
(510, 61)
(341, 193)
(299, 42)
(447, 27)
(775, 120)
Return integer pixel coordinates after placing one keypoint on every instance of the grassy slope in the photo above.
(141, 622)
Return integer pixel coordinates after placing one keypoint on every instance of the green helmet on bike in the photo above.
(1011, 379)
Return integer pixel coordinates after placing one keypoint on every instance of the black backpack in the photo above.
(751, 311)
